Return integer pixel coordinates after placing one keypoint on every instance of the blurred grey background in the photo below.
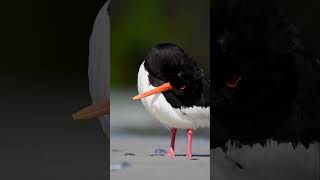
(43, 74)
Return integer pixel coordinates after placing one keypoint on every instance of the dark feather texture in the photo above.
(278, 96)
(168, 63)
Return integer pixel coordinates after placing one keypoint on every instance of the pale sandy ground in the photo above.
(142, 164)
(134, 131)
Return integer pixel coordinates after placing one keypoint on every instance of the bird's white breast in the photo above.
(98, 70)
(157, 105)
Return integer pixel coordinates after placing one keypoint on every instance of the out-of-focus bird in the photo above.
(265, 95)
(175, 91)
(98, 71)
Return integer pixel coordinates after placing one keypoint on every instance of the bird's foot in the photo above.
(171, 153)
(189, 155)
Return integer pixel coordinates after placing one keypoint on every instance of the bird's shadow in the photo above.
(194, 155)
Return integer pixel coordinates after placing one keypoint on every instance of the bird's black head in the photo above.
(168, 63)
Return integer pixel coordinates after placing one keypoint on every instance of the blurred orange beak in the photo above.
(159, 89)
(93, 111)
(233, 81)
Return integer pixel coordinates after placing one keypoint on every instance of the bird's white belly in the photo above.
(99, 62)
(158, 106)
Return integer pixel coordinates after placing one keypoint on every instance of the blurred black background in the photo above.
(305, 15)
(43, 75)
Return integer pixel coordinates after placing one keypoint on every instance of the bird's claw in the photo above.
(171, 153)
(189, 155)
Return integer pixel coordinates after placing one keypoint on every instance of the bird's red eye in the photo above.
(233, 81)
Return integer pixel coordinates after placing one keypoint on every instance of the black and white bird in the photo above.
(265, 99)
(175, 90)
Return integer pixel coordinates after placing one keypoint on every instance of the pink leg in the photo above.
(173, 138)
(189, 147)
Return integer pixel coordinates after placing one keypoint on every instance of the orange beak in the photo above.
(233, 81)
(159, 89)
(93, 111)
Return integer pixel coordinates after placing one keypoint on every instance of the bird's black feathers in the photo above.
(168, 63)
(278, 96)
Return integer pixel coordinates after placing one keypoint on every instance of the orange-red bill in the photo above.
(93, 111)
(233, 81)
(159, 89)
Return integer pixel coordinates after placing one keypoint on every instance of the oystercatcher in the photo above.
(175, 90)
(265, 98)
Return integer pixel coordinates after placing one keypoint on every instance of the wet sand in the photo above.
(135, 157)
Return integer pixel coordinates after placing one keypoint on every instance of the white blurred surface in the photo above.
(99, 61)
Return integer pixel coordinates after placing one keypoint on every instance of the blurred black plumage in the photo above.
(277, 96)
